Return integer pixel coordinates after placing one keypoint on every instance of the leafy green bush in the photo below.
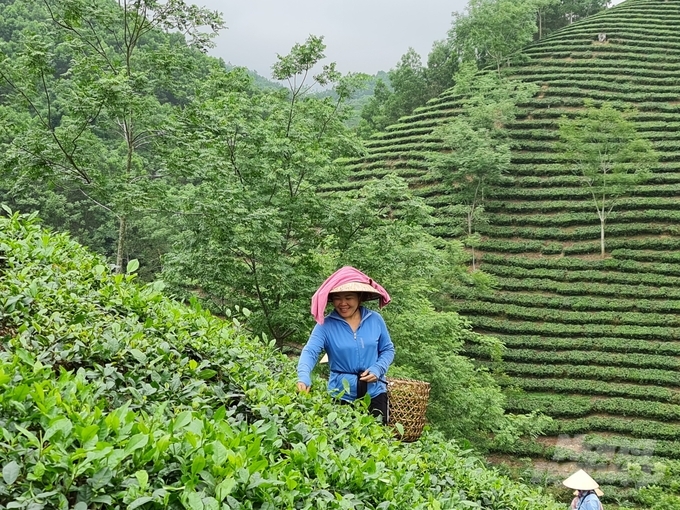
(114, 396)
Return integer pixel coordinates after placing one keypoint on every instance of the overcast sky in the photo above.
(360, 35)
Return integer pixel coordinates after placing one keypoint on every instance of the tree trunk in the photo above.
(469, 219)
(122, 225)
(602, 220)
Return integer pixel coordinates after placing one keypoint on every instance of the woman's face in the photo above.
(345, 303)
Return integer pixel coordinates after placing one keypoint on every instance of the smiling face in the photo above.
(346, 303)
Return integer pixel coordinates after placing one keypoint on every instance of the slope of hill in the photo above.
(114, 396)
(592, 342)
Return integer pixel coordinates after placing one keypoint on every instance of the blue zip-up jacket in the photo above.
(589, 501)
(369, 348)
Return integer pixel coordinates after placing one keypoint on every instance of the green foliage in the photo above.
(601, 388)
(113, 396)
(572, 323)
(257, 233)
(254, 231)
(91, 91)
(406, 91)
(476, 149)
(555, 14)
(608, 155)
(466, 403)
(490, 31)
(655, 498)
(410, 85)
(251, 220)
(572, 406)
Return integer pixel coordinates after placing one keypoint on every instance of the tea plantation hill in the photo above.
(113, 396)
(593, 343)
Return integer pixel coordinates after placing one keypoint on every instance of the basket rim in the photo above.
(405, 380)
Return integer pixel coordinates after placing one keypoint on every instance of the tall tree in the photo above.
(411, 84)
(609, 156)
(407, 90)
(543, 9)
(555, 14)
(442, 65)
(251, 218)
(375, 114)
(478, 147)
(490, 31)
(86, 89)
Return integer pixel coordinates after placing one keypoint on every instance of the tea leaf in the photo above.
(208, 373)
(219, 453)
(195, 500)
(136, 442)
(142, 478)
(132, 266)
(182, 420)
(224, 488)
(61, 425)
(10, 472)
(139, 502)
(198, 464)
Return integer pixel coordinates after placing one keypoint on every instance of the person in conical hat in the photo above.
(574, 502)
(356, 340)
(587, 489)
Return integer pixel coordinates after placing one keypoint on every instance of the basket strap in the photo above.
(362, 387)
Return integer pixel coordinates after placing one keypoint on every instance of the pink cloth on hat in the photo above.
(343, 275)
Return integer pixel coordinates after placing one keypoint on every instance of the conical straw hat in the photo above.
(581, 481)
(356, 287)
(597, 491)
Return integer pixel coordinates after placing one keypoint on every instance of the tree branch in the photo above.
(99, 50)
(100, 204)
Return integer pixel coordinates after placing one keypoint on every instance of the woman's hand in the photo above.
(368, 377)
(302, 387)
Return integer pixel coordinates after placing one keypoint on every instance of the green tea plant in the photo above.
(115, 396)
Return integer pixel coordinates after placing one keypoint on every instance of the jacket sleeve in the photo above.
(310, 355)
(385, 351)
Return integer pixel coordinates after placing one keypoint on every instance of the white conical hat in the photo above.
(597, 491)
(581, 481)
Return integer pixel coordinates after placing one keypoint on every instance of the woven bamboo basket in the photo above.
(407, 403)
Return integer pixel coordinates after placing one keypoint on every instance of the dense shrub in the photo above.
(114, 396)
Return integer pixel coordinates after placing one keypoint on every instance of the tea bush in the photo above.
(114, 396)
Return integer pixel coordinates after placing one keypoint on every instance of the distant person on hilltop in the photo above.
(355, 338)
(587, 491)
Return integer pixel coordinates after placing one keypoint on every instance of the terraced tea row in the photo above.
(597, 388)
